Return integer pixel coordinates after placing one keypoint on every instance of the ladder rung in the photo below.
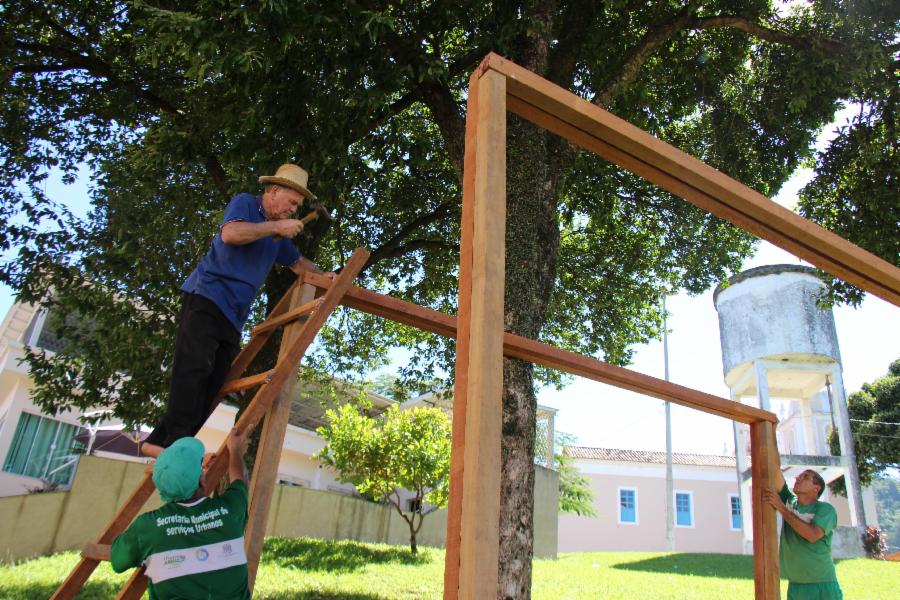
(287, 317)
(96, 551)
(236, 385)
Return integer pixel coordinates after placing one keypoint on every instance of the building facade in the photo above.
(40, 450)
(629, 488)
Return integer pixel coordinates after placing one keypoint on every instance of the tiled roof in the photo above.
(311, 402)
(644, 456)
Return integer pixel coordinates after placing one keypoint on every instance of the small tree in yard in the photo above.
(400, 449)
(575, 494)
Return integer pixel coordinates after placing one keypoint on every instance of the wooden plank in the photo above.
(464, 311)
(135, 587)
(591, 368)
(271, 442)
(291, 315)
(245, 383)
(480, 530)
(824, 248)
(96, 551)
(764, 462)
(83, 569)
(549, 356)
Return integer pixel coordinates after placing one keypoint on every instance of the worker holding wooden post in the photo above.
(255, 233)
(193, 546)
(805, 549)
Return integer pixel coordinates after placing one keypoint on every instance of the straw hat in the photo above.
(292, 176)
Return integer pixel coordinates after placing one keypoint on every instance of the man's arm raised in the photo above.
(238, 233)
(237, 447)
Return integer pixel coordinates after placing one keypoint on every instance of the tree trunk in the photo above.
(532, 241)
(412, 541)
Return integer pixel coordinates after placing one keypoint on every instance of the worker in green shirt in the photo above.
(805, 551)
(193, 546)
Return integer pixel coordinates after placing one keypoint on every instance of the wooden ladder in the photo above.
(295, 341)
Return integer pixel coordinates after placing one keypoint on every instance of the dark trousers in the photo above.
(205, 347)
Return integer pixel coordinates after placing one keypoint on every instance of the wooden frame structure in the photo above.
(498, 86)
(471, 567)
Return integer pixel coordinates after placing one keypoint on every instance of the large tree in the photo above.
(176, 105)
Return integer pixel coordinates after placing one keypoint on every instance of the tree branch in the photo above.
(638, 55)
(450, 122)
(87, 59)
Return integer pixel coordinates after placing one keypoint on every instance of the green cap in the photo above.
(176, 472)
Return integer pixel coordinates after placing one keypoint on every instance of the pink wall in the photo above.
(711, 531)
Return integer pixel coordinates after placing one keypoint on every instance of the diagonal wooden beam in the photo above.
(79, 575)
(618, 141)
(262, 401)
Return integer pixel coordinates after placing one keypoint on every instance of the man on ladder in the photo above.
(256, 232)
(192, 546)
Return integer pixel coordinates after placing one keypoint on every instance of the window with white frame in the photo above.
(628, 512)
(42, 448)
(734, 504)
(684, 509)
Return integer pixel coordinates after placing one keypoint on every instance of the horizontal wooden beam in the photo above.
(291, 315)
(245, 383)
(618, 141)
(549, 356)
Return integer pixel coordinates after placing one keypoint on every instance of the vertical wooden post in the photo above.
(271, 442)
(464, 315)
(480, 527)
(764, 461)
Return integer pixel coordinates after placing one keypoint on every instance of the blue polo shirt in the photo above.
(231, 275)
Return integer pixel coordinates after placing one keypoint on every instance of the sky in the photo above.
(604, 416)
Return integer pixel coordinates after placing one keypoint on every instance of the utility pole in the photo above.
(670, 482)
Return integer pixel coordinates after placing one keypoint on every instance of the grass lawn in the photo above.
(308, 568)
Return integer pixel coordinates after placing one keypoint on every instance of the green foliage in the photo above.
(398, 450)
(854, 192)
(575, 494)
(887, 501)
(176, 107)
(874, 414)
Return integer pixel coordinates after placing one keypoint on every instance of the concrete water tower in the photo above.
(777, 343)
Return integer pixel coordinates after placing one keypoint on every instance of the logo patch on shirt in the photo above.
(227, 550)
(173, 561)
(202, 554)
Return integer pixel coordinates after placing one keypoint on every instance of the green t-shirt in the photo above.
(803, 561)
(191, 550)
